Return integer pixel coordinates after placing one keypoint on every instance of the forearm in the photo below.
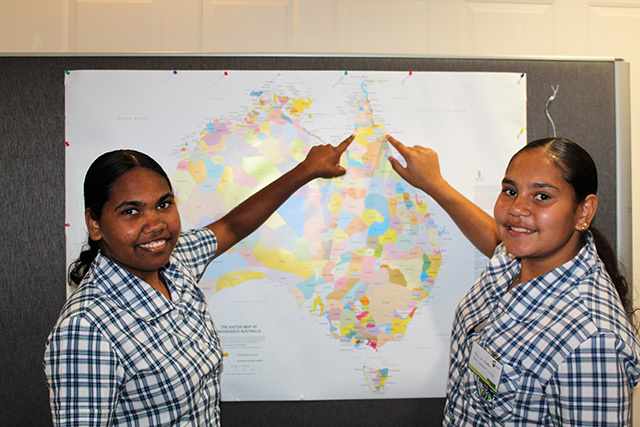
(322, 161)
(477, 226)
(423, 171)
(245, 218)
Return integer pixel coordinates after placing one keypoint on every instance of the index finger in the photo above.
(396, 144)
(342, 147)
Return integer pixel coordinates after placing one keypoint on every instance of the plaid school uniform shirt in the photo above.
(568, 353)
(123, 354)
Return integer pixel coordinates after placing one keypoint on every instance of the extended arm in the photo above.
(423, 172)
(323, 161)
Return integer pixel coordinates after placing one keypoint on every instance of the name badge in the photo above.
(485, 366)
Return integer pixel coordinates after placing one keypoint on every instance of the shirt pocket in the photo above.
(497, 407)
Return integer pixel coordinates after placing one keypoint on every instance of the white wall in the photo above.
(575, 28)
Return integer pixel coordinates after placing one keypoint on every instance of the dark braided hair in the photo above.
(98, 184)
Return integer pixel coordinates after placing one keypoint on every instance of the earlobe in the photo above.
(588, 210)
(93, 225)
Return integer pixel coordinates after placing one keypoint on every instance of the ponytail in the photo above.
(78, 269)
(607, 254)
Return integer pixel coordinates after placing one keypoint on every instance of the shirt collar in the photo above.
(529, 300)
(130, 292)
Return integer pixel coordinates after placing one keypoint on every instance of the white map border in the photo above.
(471, 119)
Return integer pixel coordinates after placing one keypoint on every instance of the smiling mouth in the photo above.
(154, 244)
(521, 230)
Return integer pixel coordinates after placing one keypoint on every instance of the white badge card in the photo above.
(485, 366)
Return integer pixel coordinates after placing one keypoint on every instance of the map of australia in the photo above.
(348, 290)
(362, 250)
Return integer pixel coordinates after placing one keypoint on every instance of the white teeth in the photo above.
(521, 230)
(154, 244)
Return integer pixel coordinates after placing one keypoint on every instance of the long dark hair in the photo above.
(98, 184)
(579, 170)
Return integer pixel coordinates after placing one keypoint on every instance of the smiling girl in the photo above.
(135, 343)
(544, 336)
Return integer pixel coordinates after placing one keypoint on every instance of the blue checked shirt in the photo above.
(568, 353)
(123, 354)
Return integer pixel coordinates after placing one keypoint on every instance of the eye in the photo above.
(509, 192)
(542, 197)
(129, 211)
(165, 204)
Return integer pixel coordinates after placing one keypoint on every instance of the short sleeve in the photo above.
(83, 375)
(195, 249)
(591, 387)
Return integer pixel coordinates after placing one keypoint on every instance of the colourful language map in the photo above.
(348, 290)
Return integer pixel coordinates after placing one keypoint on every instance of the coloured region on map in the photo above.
(362, 249)
(348, 290)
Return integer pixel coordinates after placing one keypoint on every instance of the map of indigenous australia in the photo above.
(348, 290)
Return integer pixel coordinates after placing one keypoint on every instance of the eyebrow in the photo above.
(138, 204)
(535, 185)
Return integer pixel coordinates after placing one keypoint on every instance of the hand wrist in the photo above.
(301, 174)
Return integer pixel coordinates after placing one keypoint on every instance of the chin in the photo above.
(516, 250)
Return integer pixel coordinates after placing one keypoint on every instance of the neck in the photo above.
(159, 284)
(532, 267)
(516, 281)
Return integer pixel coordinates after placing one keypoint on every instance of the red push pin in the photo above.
(411, 73)
(226, 74)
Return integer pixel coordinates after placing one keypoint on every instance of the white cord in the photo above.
(546, 109)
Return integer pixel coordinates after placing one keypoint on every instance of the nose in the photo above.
(519, 206)
(155, 223)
